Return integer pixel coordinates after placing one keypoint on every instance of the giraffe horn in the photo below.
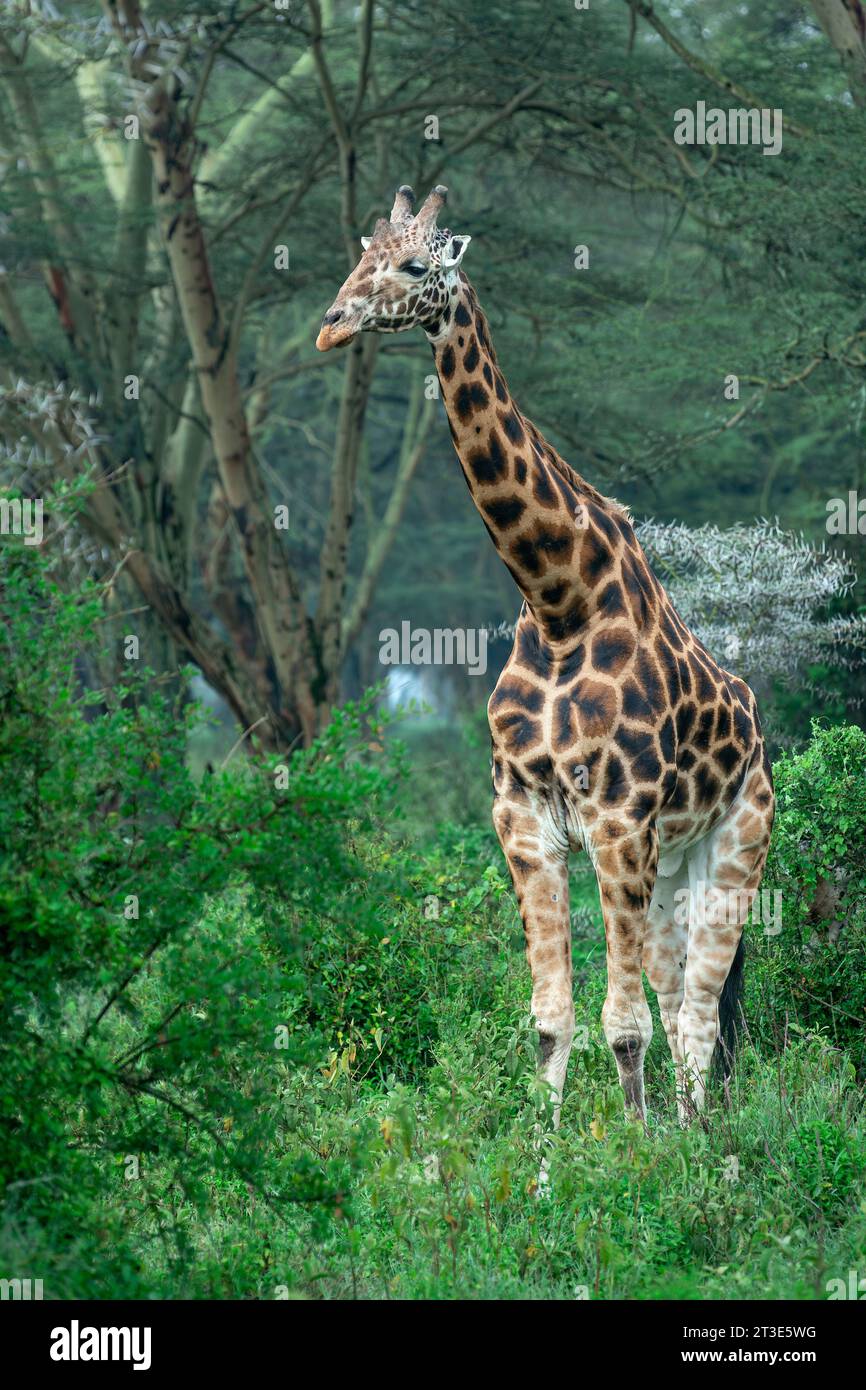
(404, 202)
(432, 206)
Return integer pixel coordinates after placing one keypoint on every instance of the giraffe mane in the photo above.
(565, 470)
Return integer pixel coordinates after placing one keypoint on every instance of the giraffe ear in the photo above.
(454, 251)
(365, 241)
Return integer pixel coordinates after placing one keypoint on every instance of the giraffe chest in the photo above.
(553, 716)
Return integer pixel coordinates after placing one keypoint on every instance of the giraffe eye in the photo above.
(414, 268)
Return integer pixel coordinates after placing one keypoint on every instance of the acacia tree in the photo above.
(155, 343)
(758, 596)
(157, 166)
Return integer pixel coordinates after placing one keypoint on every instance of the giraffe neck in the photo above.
(557, 534)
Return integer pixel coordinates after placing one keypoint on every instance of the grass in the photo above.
(433, 1167)
(334, 1093)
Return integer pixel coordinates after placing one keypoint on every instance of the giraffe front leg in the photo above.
(539, 873)
(625, 865)
(664, 954)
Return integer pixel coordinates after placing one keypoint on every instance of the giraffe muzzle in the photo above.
(338, 328)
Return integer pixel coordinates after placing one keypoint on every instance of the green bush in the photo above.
(305, 1068)
(802, 978)
(147, 1000)
(434, 934)
(824, 1166)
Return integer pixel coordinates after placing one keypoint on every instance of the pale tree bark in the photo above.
(844, 23)
(333, 568)
(278, 602)
(90, 82)
(415, 434)
(101, 321)
(148, 513)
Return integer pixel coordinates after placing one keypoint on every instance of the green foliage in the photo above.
(821, 814)
(809, 976)
(363, 986)
(306, 1067)
(824, 1166)
(144, 1015)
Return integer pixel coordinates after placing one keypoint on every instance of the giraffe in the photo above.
(613, 729)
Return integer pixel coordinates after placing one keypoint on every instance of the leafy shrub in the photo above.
(803, 977)
(824, 1165)
(155, 1140)
(143, 1004)
(439, 935)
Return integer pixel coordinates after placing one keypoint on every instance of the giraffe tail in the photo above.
(729, 1016)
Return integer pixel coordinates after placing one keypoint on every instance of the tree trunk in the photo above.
(278, 602)
(844, 23)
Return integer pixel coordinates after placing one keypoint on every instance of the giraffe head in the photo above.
(403, 277)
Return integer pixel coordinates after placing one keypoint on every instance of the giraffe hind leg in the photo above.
(729, 1016)
(725, 870)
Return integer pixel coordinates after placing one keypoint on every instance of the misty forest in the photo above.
(266, 1008)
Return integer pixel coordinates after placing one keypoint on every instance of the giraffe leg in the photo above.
(625, 866)
(540, 876)
(664, 953)
(724, 877)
